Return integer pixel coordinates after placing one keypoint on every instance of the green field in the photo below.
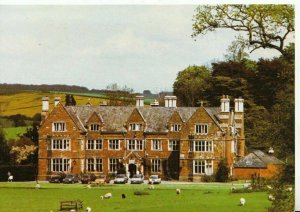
(194, 197)
(14, 132)
(30, 103)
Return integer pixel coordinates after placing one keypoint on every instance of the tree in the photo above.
(191, 84)
(266, 26)
(222, 174)
(70, 100)
(236, 51)
(4, 149)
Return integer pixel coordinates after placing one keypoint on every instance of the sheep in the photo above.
(289, 189)
(88, 209)
(242, 201)
(271, 197)
(106, 196)
(88, 186)
(232, 189)
(151, 187)
(37, 186)
(123, 196)
(178, 191)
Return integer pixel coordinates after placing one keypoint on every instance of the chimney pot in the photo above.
(139, 101)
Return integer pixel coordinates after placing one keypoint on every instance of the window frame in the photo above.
(201, 127)
(114, 144)
(60, 165)
(59, 126)
(174, 143)
(156, 165)
(61, 144)
(92, 127)
(152, 145)
(175, 127)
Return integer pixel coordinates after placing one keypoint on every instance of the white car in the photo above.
(137, 179)
(154, 179)
(121, 178)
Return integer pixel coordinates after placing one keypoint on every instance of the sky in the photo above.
(142, 47)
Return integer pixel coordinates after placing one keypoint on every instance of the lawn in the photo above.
(193, 197)
(14, 132)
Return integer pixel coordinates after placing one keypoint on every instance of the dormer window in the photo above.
(59, 127)
(94, 127)
(201, 129)
(175, 127)
(135, 127)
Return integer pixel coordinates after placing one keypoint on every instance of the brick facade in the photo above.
(182, 143)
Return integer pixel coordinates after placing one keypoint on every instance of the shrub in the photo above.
(139, 193)
(223, 171)
(208, 178)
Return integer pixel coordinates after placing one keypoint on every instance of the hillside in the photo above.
(30, 103)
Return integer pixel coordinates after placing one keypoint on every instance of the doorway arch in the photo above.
(132, 169)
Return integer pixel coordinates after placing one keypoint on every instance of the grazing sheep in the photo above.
(123, 196)
(106, 196)
(178, 191)
(37, 186)
(88, 209)
(242, 201)
(88, 186)
(151, 187)
(232, 189)
(271, 197)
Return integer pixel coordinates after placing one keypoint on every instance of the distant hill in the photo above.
(16, 88)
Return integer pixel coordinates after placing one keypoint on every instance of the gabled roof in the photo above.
(115, 117)
(257, 159)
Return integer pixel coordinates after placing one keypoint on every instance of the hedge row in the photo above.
(20, 173)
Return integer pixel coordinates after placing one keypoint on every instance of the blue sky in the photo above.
(142, 47)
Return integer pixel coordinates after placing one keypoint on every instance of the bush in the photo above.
(223, 171)
(208, 178)
(20, 173)
(139, 193)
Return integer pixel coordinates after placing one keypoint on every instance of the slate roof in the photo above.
(257, 159)
(114, 117)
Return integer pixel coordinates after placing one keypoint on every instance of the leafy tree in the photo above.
(222, 174)
(236, 51)
(4, 149)
(191, 84)
(70, 100)
(266, 26)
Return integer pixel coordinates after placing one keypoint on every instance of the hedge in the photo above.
(20, 172)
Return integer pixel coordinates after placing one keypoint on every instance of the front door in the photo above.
(132, 170)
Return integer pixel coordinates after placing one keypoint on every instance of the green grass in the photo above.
(198, 197)
(14, 132)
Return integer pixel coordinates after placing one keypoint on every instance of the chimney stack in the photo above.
(170, 101)
(45, 107)
(225, 104)
(239, 105)
(56, 101)
(139, 101)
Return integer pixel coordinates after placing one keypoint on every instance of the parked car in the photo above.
(121, 178)
(154, 179)
(87, 178)
(57, 178)
(71, 178)
(137, 179)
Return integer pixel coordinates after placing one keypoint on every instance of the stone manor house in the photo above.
(182, 143)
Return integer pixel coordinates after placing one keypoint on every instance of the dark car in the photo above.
(71, 178)
(87, 178)
(137, 179)
(57, 178)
